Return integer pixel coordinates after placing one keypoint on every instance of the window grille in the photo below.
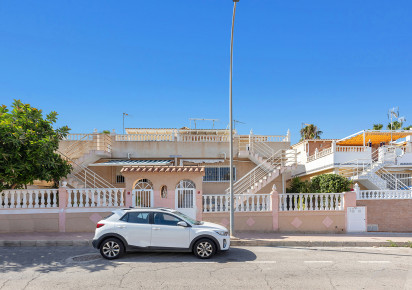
(119, 179)
(218, 174)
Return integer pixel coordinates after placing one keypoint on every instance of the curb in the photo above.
(234, 243)
(265, 243)
(46, 243)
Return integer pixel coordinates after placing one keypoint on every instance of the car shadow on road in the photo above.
(231, 256)
(61, 259)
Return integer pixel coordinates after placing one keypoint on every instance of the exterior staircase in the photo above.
(270, 164)
(88, 148)
(372, 174)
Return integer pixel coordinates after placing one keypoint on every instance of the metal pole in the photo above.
(232, 215)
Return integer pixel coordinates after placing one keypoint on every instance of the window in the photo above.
(163, 191)
(136, 217)
(165, 219)
(119, 179)
(218, 174)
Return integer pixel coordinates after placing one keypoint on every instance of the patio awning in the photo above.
(127, 162)
(375, 137)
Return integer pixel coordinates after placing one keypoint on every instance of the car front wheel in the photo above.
(204, 249)
(111, 248)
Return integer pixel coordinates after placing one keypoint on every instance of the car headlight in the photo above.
(222, 233)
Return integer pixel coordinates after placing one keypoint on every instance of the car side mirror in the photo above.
(182, 224)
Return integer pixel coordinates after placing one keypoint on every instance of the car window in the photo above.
(165, 219)
(136, 217)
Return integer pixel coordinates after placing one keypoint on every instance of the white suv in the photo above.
(158, 229)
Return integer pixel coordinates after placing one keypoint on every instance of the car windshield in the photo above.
(189, 219)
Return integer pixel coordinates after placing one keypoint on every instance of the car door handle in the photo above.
(156, 229)
(122, 227)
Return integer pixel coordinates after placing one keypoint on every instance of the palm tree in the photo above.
(395, 125)
(310, 131)
(377, 127)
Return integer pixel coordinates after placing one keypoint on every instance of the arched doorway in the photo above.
(142, 194)
(186, 198)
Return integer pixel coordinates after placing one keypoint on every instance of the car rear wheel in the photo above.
(204, 249)
(111, 248)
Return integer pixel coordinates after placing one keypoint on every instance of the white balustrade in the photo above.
(270, 138)
(383, 194)
(95, 197)
(242, 203)
(203, 138)
(351, 148)
(311, 201)
(28, 198)
(320, 154)
(145, 137)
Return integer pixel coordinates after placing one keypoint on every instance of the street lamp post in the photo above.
(232, 215)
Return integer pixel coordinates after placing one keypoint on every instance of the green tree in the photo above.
(28, 145)
(310, 132)
(330, 183)
(408, 127)
(395, 126)
(377, 127)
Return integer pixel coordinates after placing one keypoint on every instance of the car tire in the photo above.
(204, 248)
(111, 248)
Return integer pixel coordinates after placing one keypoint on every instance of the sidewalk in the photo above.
(242, 239)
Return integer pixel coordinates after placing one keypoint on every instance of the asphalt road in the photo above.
(241, 267)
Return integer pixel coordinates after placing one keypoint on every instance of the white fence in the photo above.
(351, 149)
(145, 137)
(320, 154)
(29, 198)
(95, 197)
(383, 194)
(242, 203)
(311, 201)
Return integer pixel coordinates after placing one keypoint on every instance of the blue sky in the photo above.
(338, 64)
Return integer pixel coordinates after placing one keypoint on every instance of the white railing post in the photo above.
(357, 190)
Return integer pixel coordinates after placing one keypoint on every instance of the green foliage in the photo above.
(310, 132)
(330, 183)
(395, 126)
(377, 127)
(325, 183)
(28, 145)
(106, 131)
(408, 127)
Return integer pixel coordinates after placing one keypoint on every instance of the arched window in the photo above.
(144, 184)
(163, 191)
(186, 184)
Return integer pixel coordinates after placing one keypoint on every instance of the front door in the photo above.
(167, 234)
(186, 201)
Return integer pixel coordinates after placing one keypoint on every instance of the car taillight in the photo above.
(99, 225)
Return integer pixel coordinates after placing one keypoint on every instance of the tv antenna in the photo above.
(124, 114)
(236, 121)
(202, 119)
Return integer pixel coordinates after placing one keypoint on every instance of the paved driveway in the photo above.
(241, 267)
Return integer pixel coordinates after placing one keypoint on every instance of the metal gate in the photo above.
(142, 195)
(142, 198)
(356, 219)
(186, 198)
